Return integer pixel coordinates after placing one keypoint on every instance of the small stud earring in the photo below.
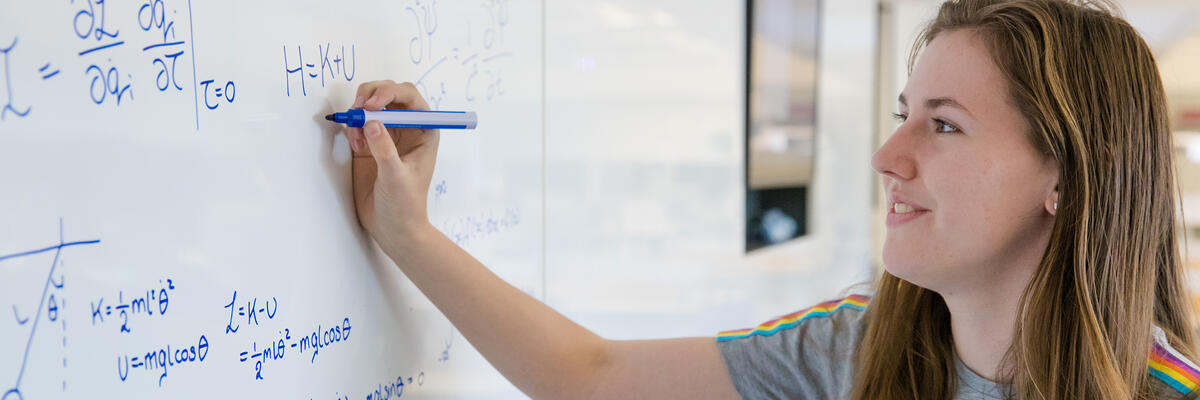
(1056, 206)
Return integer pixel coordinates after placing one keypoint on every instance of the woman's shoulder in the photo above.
(845, 312)
(806, 354)
(1173, 374)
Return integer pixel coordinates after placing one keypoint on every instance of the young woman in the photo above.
(1031, 247)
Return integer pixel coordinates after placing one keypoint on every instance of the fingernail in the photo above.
(358, 102)
(372, 100)
(372, 130)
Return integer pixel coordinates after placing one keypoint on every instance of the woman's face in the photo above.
(969, 198)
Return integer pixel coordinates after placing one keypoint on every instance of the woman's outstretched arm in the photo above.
(539, 350)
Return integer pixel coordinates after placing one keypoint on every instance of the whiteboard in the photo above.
(605, 178)
(177, 220)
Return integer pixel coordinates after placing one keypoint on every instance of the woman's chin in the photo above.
(905, 266)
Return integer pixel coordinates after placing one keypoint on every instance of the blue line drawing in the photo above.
(48, 74)
(472, 57)
(20, 321)
(505, 54)
(195, 85)
(8, 85)
(157, 45)
(435, 65)
(101, 47)
(15, 392)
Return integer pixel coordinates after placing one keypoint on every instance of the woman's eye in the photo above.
(943, 126)
(900, 118)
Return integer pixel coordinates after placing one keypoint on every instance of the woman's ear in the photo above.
(1052, 176)
(1052, 201)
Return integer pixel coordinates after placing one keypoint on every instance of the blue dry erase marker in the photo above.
(356, 117)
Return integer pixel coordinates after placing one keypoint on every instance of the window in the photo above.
(781, 82)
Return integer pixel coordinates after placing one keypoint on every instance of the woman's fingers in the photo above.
(382, 148)
(387, 94)
(365, 91)
(357, 141)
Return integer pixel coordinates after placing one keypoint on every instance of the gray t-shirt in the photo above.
(809, 354)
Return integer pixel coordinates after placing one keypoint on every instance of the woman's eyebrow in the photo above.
(947, 102)
(940, 102)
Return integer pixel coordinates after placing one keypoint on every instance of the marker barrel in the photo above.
(356, 117)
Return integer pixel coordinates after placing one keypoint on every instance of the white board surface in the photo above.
(186, 139)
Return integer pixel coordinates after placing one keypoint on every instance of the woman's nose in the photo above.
(895, 159)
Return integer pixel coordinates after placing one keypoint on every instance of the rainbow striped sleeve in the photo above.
(1168, 365)
(857, 302)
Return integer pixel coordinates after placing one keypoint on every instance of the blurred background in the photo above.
(727, 180)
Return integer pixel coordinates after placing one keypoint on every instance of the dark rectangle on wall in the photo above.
(781, 91)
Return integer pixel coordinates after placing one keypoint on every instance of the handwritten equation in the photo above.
(395, 388)
(249, 310)
(469, 68)
(332, 64)
(161, 360)
(392, 389)
(464, 67)
(144, 304)
(465, 229)
(161, 29)
(283, 343)
(108, 83)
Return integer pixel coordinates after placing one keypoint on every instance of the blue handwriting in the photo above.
(142, 304)
(278, 347)
(332, 64)
(250, 311)
(163, 359)
(8, 106)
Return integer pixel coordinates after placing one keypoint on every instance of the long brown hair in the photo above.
(1089, 88)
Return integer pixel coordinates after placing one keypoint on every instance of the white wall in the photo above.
(645, 170)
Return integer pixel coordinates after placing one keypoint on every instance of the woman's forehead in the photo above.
(958, 65)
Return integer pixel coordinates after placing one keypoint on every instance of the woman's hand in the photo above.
(392, 168)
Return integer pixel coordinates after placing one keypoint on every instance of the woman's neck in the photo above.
(982, 328)
(983, 312)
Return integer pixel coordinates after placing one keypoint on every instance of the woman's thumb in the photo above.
(381, 145)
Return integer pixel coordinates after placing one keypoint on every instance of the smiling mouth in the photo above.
(900, 213)
(900, 207)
